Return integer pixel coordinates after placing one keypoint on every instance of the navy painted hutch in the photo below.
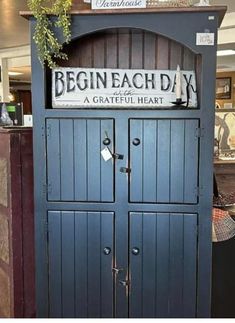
(130, 236)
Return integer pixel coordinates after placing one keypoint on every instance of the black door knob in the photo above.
(107, 251)
(135, 251)
(136, 141)
(106, 141)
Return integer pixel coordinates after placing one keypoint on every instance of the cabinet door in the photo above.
(80, 255)
(163, 262)
(76, 170)
(163, 161)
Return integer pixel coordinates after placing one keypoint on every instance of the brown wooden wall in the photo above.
(17, 290)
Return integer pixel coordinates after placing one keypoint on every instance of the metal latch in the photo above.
(124, 283)
(125, 170)
(118, 156)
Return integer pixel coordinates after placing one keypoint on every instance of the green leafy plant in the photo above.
(48, 45)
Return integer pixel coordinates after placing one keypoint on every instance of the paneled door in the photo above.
(122, 245)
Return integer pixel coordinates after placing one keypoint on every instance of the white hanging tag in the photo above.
(106, 154)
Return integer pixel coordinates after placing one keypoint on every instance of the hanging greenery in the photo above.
(48, 45)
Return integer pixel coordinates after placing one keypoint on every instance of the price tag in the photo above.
(205, 39)
(106, 154)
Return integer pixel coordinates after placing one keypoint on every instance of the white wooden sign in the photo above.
(117, 4)
(120, 88)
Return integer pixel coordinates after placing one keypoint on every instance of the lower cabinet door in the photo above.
(80, 252)
(163, 262)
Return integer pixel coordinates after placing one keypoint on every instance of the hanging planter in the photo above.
(49, 47)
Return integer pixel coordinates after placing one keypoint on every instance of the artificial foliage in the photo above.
(49, 47)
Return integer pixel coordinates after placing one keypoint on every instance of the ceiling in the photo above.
(15, 30)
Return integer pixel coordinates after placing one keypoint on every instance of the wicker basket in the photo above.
(170, 3)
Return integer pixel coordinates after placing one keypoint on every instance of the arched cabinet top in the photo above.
(182, 27)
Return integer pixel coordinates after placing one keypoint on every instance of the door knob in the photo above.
(136, 141)
(107, 251)
(106, 141)
(135, 251)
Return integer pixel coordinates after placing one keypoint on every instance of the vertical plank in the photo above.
(99, 51)
(67, 160)
(111, 51)
(149, 264)
(86, 53)
(94, 264)
(80, 159)
(123, 49)
(149, 51)
(188, 59)
(67, 254)
(136, 161)
(107, 237)
(162, 259)
(149, 160)
(190, 265)
(162, 53)
(191, 162)
(53, 159)
(93, 159)
(136, 49)
(177, 161)
(136, 289)
(81, 259)
(54, 258)
(163, 161)
(107, 167)
(175, 55)
(176, 266)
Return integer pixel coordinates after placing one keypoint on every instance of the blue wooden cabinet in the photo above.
(131, 236)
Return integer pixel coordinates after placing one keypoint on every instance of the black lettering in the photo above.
(86, 100)
(174, 84)
(115, 78)
(134, 80)
(125, 80)
(91, 80)
(149, 80)
(165, 82)
(70, 81)
(59, 83)
(188, 81)
(85, 82)
(102, 79)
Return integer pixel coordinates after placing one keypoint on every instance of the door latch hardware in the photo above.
(106, 141)
(107, 251)
(135, 251)
(124, 282)
(136, 141)
(117, 270)
(118, 156)
(125, 170)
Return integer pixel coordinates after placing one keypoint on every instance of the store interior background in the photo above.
(15, 52)
(15, 86)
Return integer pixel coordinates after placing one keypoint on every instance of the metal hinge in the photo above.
(48, 131)
(198, 191)
(47, 189)
(199, 133)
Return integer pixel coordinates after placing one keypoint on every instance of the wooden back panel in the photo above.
(128, 48)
